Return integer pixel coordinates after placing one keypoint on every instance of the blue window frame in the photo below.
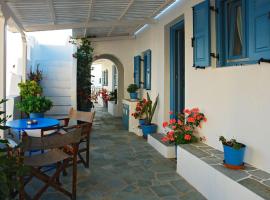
(147, 69)
(137, 70)
(243, 31)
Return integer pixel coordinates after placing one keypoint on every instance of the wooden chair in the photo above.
(85, 120)
(53, 154)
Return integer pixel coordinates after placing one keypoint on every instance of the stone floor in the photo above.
(124, 167)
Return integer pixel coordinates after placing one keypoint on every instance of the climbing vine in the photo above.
(84, 56)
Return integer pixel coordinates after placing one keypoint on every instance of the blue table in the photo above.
(21, 124)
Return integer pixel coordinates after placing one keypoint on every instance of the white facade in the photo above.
(234, 99)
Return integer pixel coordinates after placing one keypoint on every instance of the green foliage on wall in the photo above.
(84, 56)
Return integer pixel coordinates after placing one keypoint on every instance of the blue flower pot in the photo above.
(133, 95)
(148, 129)
(141, 122)
(234, 157)
(36, 115)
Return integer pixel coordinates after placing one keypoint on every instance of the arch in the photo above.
(120, 69)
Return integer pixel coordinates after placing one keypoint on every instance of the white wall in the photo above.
(107, 65)
(234, 99)
(57, 65)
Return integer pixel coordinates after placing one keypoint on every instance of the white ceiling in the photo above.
(92, 18)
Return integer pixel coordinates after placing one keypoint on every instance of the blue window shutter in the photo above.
(137, 70)
(259, 29)
(147, 69)
(201, 34)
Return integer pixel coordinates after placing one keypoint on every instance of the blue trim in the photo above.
(137, 70)
(173, 29)
(201, 34)
(147, 56)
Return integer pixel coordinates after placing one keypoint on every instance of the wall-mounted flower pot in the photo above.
(36, 115)
(141, 122)
(234, 157)
(148, 129)
(133, 95)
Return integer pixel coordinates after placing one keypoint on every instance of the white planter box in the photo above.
(114, 109)
(165, 149)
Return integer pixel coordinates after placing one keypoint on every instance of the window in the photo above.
(243, 31)
(137, 70)
(105, 78)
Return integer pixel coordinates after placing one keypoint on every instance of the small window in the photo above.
(235, 27)
(231, 32)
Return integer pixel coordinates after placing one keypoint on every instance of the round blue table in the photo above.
(21, 124)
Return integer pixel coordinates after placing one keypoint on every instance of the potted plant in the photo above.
(132, 90)
(10, 166)
(35, 106)
(233, 153)
(183, 127)
(149, 127)
(140, 111)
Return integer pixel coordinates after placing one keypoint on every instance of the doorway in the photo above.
(177, 67)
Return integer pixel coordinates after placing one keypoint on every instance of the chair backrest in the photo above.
(81, 115)
(53, 141)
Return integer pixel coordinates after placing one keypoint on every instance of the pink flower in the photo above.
(164, 139)
(180, 122)
(171, 133)
(173, 127)
(171, 112)
(172, 121)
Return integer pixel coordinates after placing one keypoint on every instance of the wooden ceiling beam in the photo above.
(91, 24)
(52, 11)
(91, 3)
(121, 16)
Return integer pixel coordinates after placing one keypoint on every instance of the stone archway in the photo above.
(120, 69)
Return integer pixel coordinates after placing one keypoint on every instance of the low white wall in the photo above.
(218, 186)
(234, 99)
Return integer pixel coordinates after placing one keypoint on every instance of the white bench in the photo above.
(164, 148)
(202, 167)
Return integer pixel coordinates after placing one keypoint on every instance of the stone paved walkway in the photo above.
(124, 167)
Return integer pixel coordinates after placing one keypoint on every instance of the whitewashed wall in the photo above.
(234, 99)
(56, 63)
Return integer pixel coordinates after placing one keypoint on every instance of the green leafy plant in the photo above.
(231, 143)
(30, 88)
(34, 104)
(150, 109)
(35, 75)
(113, 96)
(11, 167)
(132, 88)
(84, 56)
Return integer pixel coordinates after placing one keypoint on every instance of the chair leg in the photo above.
(87, 151)
(21, 189)
(74, 173)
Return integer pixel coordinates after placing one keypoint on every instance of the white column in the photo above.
(24, 58)
(2, 63)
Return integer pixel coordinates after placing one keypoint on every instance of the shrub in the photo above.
(34, 104)
(30, 88)
(132, 88)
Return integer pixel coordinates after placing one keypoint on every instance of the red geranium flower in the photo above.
(187, 137)
(165, 124)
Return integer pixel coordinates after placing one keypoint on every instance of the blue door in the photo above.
(177, 67)
(125, 117)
